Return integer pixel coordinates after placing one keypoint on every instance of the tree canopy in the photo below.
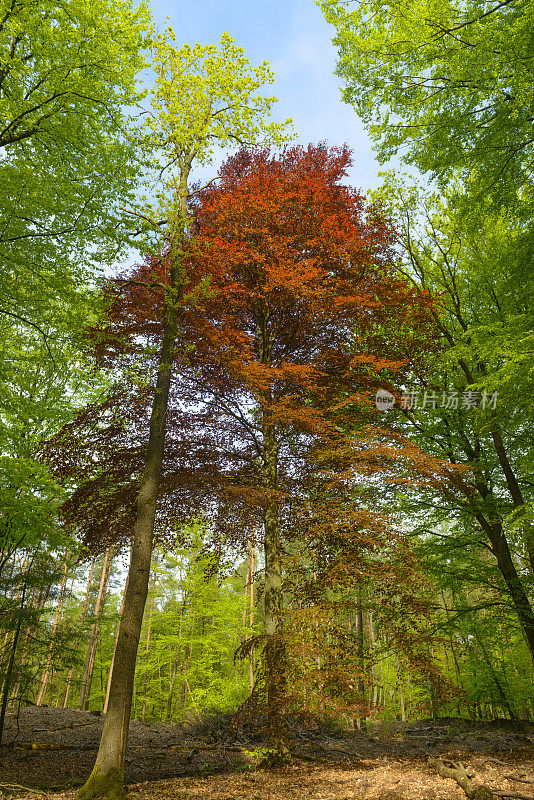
(448, 85)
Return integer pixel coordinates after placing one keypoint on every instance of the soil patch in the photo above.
(53, 750)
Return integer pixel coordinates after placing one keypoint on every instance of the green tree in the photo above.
(68, 70)
(450, 84)
(204, 96)
(191, 629)
(472, 404)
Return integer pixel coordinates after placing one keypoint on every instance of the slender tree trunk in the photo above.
(107, 777)
(498, 685)
(361, 723)
(399, 685)
(95, 629)
(274, 649)
(64, 702)
(115, 648)
(170, 696)
(245, 603)
(46, 676)
(372, 649)
(14, 597)
(39, 606)
(251, 612)
(147, 646)
(9, 671)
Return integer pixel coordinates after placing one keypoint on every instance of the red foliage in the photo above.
(292, 315)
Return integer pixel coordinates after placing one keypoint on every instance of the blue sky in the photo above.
(295, 38)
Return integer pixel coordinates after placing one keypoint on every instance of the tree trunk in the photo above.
(251, 611)
(274, 648)
(147, 646)
(514, 489)
(400, 690)
(107, 777)
(361, 723)
(66, 693)
(9, 671)
(95, 629)
(115, 648)
(498, 685)
(372, 649)
(170, 696)
(46, 676)
(513, 582)
(39, 605)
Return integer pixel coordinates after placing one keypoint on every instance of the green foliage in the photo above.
(195, 617)
(450, 84)
(470, 257)
(67, 73)
(206, 98)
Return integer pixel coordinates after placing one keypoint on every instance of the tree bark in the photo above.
(514, 489)
(147, 646)
(459, 774)
(39, 605)
(9, 671)
(251, 611)
(516, 590)
(360, 643)
(170, 696)
(66, 693)
(107, 777)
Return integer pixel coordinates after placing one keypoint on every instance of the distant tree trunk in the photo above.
(399, 685)
(360, 644)
(245, 601)
(170, 696)
(373, 700)
(14, 596)
(251, 610)
(46, 676)
(38, 607)
(9, 671)
(95, 629)
(147, 645)
(498, 685)
(434, 706)
(66, 693)
(59, 691)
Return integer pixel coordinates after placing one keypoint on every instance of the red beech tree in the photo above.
(291, 317)
(300, 316)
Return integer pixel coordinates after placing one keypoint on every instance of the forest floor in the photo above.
(51, 751)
